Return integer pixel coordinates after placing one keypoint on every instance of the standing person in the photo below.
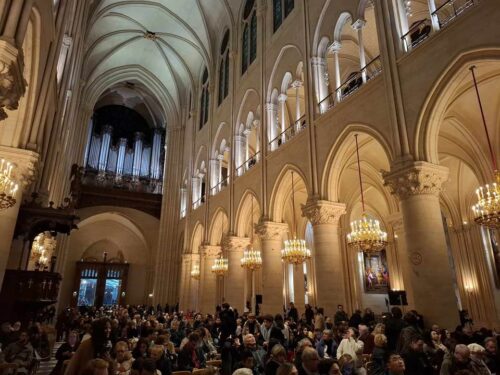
(309, 313)
(340, 315)
(379, 355)
(65, 352)
(293, 313)
(319, 320)
(98, 346)
(393, 328)
(356, 319)
(228, 322)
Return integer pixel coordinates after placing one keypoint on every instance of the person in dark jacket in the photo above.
(190, 357)
(65, 352)
(327, 346)
(277, 358)
(341, 316)
(293, 313)
(393, 328)
(356, 319)
(417, 363)
(163, 363)
(309, 314)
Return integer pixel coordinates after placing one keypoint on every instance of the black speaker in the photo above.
(258, 298)
(397, 298)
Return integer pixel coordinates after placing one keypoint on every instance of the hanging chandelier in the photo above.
(252, 258)
(487, 209)
(8, 186)
(295, 250)
(366, 234)
(220, 266)
(195, 271)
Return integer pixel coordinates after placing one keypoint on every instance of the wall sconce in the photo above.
(150, 295)
(123, 294)
(75, 294)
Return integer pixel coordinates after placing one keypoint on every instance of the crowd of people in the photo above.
(160, 341)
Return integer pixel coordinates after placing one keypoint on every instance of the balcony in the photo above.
(440, 18)
(355, 81)
(289, 133)
(248, 164)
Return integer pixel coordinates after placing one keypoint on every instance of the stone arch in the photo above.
(219, 226)
(331, 173)
(343, 19)
(280, 207)
(244, 213)
(438, 100)
(283, 65)
(196, 239)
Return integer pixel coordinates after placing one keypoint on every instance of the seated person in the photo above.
(162, 361)
(123, 358)
(190, 356)
(66, 351)
(18, 356)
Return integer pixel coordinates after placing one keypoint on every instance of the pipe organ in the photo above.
(137, 158)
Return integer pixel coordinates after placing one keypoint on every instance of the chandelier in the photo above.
(295, 250)
(487, 209)
(220, 266)
(195, 272)
(252, 259)
(8, 187)
(366, 234)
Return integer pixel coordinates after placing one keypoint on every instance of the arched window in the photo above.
(249, 37)
(204, 99)
(281, 10)
(224, 68)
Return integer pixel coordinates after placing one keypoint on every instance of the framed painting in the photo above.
(376, 274)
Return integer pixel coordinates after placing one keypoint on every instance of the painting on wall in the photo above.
(376, 276)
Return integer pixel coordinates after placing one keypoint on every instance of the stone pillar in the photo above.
(208, 280)
(434, 18)
(297, 85)
(418, 186)
(329, 265)
(335, 49)
(235, 278)
(24, 162)
(321, 82)
(214, 175)
(239, 143)
(271, 237)
(282, 99)
(194, 290)
(272, 119)
(359, 25)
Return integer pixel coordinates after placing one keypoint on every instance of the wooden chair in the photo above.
(181, 373)
(215, 363)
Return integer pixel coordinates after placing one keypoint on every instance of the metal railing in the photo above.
(199, 202)
(452, 9)
(248, 164)
(221, 185)
(288, 133)
(352, 84)
(441, 17)
(417, 33)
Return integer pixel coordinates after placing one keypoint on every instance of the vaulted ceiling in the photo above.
(169, 41)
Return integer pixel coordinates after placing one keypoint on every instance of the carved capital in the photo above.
(297, 84)
(210, 251)
(358, 24)
(25, 164)
(335, 47)
(12, 82)
(233, 243)
(269, 230)
(420, 178)
(323, 212)
(318, 61)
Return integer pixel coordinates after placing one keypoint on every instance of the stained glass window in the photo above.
(281, 10)
(249, 37)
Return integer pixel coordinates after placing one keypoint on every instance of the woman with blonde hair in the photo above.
(369, 340)
(377, 363)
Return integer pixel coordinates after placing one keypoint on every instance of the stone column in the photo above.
(271, 237)
(335, 49)
(321, 82)
(239, 143)
(434, 18)
(214, 175)
(25, 165)
(193, 292)
(282, 99)
(359, 25)
(272, 128)
(208, 284)
(297, 85)
(235, 278)
(418, 186)
(329, 265)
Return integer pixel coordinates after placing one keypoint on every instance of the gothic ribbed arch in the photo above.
(243, 212)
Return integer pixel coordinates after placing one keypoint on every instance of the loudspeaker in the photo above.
(258, 298)
(397, 298)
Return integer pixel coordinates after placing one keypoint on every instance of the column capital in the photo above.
(25, 161)
(210, 251)
(358, 24)
(269, 230)
(318, 61)
(323, 212)
(297, 84)
(271, 107)
(13, 84)
(282, 98)
(418, 178)
(234, 243)
(335, 46)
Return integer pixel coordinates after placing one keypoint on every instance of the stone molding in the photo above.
(335, 47)
(269, 230)
(319, 211)
(210, 251)
(12, 82)
(419, 178)
(233, 243)
(26, 164)
(318, 61)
